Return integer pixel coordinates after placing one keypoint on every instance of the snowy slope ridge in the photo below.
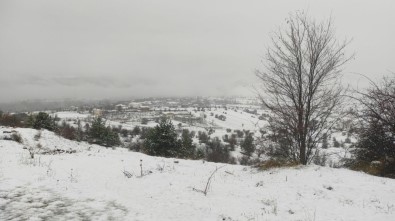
(90, 185)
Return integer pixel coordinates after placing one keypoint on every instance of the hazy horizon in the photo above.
(72, 49)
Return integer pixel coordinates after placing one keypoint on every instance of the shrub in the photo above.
(66, 131)
(325, 143)
(239, 133)
(320, 159)
(16, 137)
(347, 140)
(136, 130)
(225, 138)
(37, 136)
(124, 133)
(203, 137)
(217, 152)
(199, 154)
(144, 121)
(135, 146)
(13, 120)
(336, 143)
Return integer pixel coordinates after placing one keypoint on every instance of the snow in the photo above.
(90, 185)
(235, 120)
(70, 115)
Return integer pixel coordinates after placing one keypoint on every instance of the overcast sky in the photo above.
(123, 48)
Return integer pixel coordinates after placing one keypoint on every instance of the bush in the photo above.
(225, 138)
(144, 121)
(347, 140)
(320, 159)
(325, 143)
(232, 142)
(239, 133)
(217, 152)
(375, 145)
(336, 143)
(203, 137)
(135, 146)
(199, 154)
(136, 131)
(13, 120)
(66, 131)
(16, 137)
(124, 133)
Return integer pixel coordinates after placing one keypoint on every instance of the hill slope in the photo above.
(90, 185)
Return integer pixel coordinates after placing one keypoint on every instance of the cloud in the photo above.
(156, 48)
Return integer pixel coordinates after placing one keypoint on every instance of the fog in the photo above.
(52, 49)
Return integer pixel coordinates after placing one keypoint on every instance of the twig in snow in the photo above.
(127, 174)
(208, 182)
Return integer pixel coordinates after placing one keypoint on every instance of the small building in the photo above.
(97, 112)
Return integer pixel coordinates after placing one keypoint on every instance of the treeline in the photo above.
(97, 132)
(162, 140)
(167, 141)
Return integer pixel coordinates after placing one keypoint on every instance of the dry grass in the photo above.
(376, 170)
(269, 164)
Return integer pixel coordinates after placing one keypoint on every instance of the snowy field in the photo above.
(90, 185)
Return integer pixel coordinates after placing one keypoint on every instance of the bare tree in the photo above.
(301, 83)
(378, 103)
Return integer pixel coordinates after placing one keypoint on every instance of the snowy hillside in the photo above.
(90, 184)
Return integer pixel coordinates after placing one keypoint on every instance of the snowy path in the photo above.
(39, 203)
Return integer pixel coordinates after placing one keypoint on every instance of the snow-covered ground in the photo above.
(90, 185)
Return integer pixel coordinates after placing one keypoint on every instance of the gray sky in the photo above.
(123, 48)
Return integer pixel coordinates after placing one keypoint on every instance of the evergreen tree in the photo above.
(248, 144)
(232, 141)
(136, 130)
(102, 135)
(42, 121)
(162, 140)
(188, 149)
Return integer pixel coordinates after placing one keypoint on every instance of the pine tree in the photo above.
(188, 149)
(248, 144)
(42, 121)
(162, 140)
(102, 135)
